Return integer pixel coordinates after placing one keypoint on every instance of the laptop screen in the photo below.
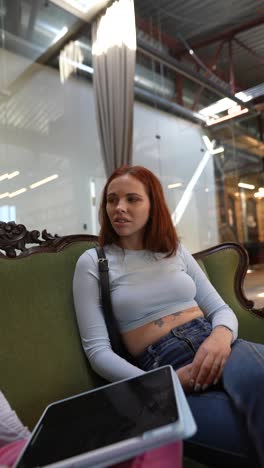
(103, 417)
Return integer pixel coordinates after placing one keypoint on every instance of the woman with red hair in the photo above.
(168, 312)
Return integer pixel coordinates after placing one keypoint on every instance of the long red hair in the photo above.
(160, 234)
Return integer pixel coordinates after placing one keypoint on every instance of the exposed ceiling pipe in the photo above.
(183, 69)
(164, 104)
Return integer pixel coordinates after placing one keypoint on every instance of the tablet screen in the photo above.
(102, 417)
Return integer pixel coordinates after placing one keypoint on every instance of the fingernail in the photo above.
(205, 386)
(191, 383)
(197, 387)
(215, 381)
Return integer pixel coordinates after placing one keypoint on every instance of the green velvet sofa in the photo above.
(41, 358)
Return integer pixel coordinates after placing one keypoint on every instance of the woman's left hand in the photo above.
(209, 361)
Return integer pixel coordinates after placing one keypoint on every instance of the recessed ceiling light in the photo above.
(13, 174)
(259, 194)
(247, 186)
(4, 176)
(9, 176)
(17, 192)
(178, 184)
(43, 181)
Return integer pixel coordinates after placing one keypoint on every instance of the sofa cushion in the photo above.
(41, 358)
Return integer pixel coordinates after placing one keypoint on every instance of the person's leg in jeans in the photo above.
(222, 432)
(243, 381)
(222, 438)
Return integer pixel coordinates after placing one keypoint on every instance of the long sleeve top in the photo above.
(144, 286)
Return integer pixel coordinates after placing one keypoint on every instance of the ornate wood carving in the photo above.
(15, 237)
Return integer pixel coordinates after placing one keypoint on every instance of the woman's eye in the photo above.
(133, 199)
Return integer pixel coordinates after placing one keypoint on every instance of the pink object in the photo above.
(167, 456)
(10, 452)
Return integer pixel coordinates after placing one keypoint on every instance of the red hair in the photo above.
(160, 234)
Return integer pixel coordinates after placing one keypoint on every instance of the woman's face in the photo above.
(128, 208)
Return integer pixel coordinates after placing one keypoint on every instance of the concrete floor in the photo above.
(254, 285)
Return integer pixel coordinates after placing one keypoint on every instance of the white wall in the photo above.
(47, 128)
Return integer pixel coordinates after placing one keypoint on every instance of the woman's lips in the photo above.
(121, 222)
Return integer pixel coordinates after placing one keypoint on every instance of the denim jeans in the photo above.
(229, 416)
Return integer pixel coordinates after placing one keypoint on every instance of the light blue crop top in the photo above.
(144, 286)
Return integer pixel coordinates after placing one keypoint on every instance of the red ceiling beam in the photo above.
(231, 68)
(210, 67)
(177, 50)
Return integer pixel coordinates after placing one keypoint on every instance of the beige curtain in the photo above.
(114, 50)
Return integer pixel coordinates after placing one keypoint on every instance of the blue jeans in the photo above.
(229, 416)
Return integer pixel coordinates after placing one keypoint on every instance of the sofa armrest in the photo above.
(226, 266)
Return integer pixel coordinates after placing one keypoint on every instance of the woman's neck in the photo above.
(129, 244)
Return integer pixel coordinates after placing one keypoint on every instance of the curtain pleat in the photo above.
(113, 81)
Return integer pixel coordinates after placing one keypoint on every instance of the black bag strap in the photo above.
(110, 320)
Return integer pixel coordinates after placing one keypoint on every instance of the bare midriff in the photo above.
(140, 338)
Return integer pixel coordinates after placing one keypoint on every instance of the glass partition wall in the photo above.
(51, 170)
(239, 175)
